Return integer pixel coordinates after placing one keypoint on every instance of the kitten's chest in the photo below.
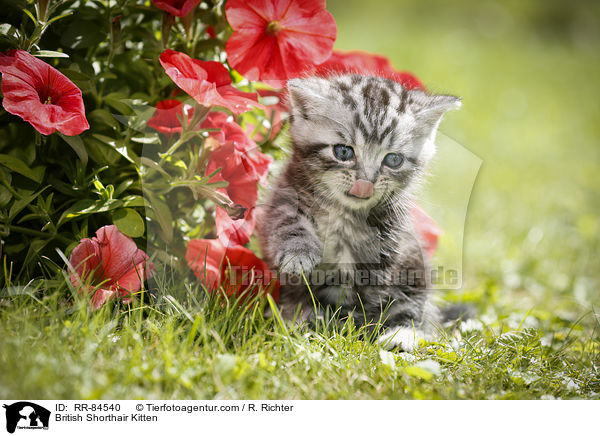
(347, 240)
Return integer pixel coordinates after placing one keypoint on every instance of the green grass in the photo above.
(189, 346)
(528, 73)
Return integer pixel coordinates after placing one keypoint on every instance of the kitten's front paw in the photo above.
(405, 338)
(296, 264)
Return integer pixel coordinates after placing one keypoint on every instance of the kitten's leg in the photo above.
(294, 244)
(406, 338)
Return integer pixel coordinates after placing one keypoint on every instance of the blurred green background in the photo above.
(528, 72)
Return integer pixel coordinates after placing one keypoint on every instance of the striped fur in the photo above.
(311, 225)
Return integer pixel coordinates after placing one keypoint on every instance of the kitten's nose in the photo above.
(362, 189)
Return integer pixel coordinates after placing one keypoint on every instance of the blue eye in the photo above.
(343, 152)
(393, 160)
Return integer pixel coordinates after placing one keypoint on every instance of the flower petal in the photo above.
(359, 62)
(302, 37)
(101, 296)
(168, 116)
(427, 230)
(41, 95)
(234, 232)
(205, 258)
(177, 8)
(85, 259)
(207, 82)
(120, 258)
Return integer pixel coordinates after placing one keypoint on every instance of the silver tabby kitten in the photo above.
(341, 211)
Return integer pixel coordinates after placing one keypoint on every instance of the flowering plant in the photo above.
(152, 125)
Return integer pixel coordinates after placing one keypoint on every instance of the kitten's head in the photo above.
(363, 138)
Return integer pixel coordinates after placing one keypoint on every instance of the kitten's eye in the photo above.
(393, 160)
(343, 152)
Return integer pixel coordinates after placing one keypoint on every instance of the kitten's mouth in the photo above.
(361, 189)
(356, 197)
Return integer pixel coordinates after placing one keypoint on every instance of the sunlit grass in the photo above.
(193, 345)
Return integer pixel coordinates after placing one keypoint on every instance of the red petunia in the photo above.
(275, 40)
(243, 166)
(111, 263)
(255, 163)
(41, 95)
(169, 115)
(207, 82)
(359, 62)
(178, 8)
(233, 232)
(427, 230)
(236, 269)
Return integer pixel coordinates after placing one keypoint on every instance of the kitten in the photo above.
(340, 212)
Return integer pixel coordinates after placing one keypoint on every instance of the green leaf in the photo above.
(103, 116)
(87, 206)
(18, 166)
(30, 15)
(129, 222)
(102, 153)
(50, 54)
(146, 139)
(52, 20)
(118, 146)
(77, 145)
(5, 196)
(162, 214)
(122, 187)
(133, 201)
(10, 34)
(117, 101)
(22, 202)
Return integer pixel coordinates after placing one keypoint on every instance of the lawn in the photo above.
(528, 74)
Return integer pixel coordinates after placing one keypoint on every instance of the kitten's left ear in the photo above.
(435, 106)
(428, 111)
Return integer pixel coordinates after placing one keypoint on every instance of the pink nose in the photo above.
(362, 189)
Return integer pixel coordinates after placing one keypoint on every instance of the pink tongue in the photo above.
(361, 189)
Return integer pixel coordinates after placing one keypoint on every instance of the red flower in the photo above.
(232, 232)
(169, 115)
(208, 82)
(427, 230)
(275, 40)
(210, 31)
(254, 162)
(243, 166)
(236, 269)
(366, 63)
(115, 264)
(41, 95)
(179, 8)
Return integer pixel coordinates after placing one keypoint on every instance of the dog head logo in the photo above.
(26, 415)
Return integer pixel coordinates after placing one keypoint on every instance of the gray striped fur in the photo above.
(310, 225)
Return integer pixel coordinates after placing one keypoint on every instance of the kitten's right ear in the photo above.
(304, 97)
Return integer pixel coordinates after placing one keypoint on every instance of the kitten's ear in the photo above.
(304, 95)
(433, 107)
(428, 111)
